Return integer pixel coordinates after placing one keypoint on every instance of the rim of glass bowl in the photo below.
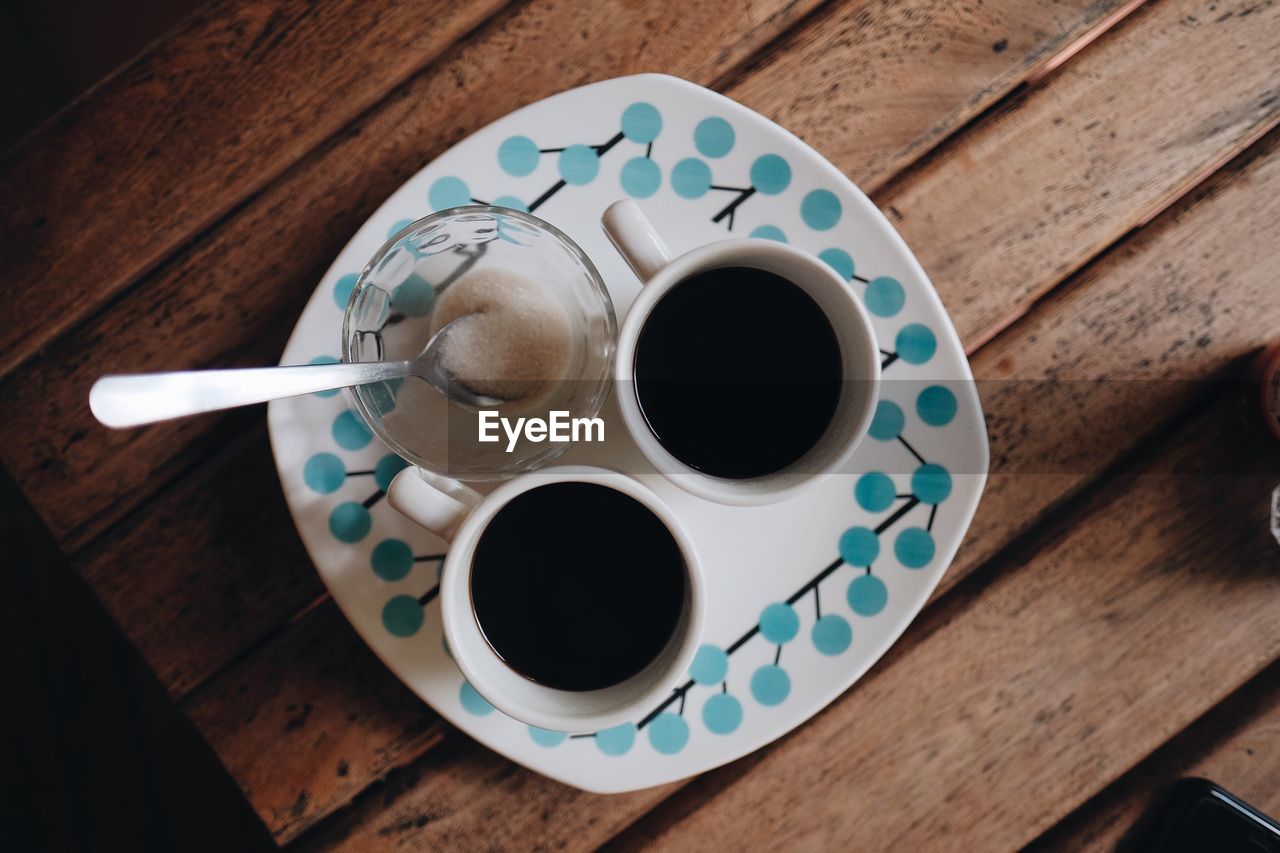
(603, 384)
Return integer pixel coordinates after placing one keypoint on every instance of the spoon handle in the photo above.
(144, 398)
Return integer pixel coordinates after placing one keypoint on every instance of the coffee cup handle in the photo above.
(439, 504)
(635, 238)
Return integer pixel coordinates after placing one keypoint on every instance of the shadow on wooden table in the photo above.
(95, 756)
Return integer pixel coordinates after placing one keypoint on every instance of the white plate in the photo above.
(700, 165)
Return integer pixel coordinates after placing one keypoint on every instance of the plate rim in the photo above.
(964, 510)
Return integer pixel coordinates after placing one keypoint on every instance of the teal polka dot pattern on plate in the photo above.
(859, 546)
(342, 289)
(414, 296)
(769, 232)
(722, 714)
(914, 547)
(448, 192)
(821, 210)
(399, 226)
(886, 424)
(617, 740)
(931, 483)
(668, 733)
(641, 122)
(936, 406)
(325, 359)
(349, 522)
(402, 616)
(713, 137)
(382, 395)
(779, 623)
(770, 685)
(546, 737)
(691, 178)
(710, 665)
(885, 296)
(509, 235)
(392, 559)
(511, 202)
(350, 432)
(473, 702)
(578, 164)
(640, 177)
(840, 261)
(518, 156)
(915, 343)
(770, 174)
(867, 595)
(831, 635)
(386, 469)
(874, 491)
(324, 473)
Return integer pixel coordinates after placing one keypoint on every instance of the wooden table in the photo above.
(1094, 188)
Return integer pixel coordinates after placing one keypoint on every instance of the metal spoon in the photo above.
(144, 398)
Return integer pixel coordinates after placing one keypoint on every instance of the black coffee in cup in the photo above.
(737, 372)
(577, 586)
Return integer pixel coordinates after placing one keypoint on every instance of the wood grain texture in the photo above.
(1104, 362)
(240, 760)
(326, 169)
(1233, 745)
(215, 303)
(232, 297)
(1221, 240)
(521, 811)
(180, 594)
(873, 85)
(314, 724)
(211, 305)
(192, 595)
(240, 317)
(1104, 144)
(1130, 618)
(190, 129)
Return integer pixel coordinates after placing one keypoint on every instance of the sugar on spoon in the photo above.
(129, 400)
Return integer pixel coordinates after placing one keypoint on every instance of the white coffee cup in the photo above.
(459, 515)
(642, 247)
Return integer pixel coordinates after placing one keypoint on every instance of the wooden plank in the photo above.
(234, 514)
(208, 571)
(173, 141)
(97, 474)
(1140, 612)
(1103, 363)
(524, 811)
(1234, 745)
(234, 297)
(875, 85)
(313, 721)
(309, 722)
(238, 760)
(248, 322)
(1107, 142)
(1223, 240)
(329, 707)
(211, 306)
